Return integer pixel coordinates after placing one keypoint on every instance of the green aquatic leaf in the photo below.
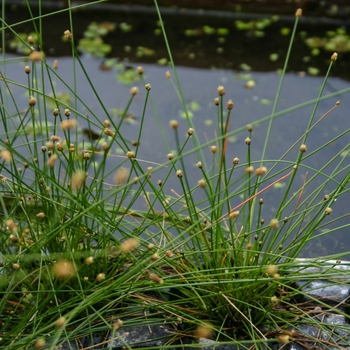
(182, 114)
(162, 61)
(142, 51)
(313, 70)
(125, 27)
(274, 57)
(94, 46)
(223, 31)
(128, 75)
(62, 98)
(195, 106)
(209, 30)
(279, 185)
(265, 102)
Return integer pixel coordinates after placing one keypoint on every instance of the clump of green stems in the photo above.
(77, 253)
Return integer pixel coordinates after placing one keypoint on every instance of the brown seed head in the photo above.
(170, 156)
(221, 90)
(117, 325)
(249, 169)
(235, 161)
(68, 35)
(30, 40)
(337, 103)
(155, 257)
(216, 101)
(129, 245)
(32, 101)
(36, 56)
(130, 154)
(190, 132)
(89, 260)
(52, 160)
(6, 155)
(271, 270)
(283, 339)
(303, 148)
(78, 179)
(174, 124)
(27, 69)
(134, 90)
(140, 70)
(105, 146)
(63, 269)
(199, 165)
(40, 343)
(40, 215)
(61, 322)
(334, 57)
(167, 74)
(260, 171)
(298, 12)
(121, 176)
(169, 254)
(69, 124)
(179, 174)
(250, 127)
(234, 214)
(148, 87)
(55, 138)
(213, 149)
(328, 211)
(100, 277)
(155, 278)
(55, 112)
(11, 225)
(248, 141)
(67, 112)
(202, 183)
(229, 105)
(108, 132)
(274, 223)
(106, 123)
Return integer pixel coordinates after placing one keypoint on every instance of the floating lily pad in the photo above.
(265, 102)
(195, 106)
(125, 27)
(95, 47)
(334, 41)
(274, 57)
(144, 51)
(92, 43)
(128, 75)
(63, 98)
(313, 70)
(279, 185)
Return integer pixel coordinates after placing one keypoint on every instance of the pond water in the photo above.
(199, 86)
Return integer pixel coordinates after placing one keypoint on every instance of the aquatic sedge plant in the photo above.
(80, 256)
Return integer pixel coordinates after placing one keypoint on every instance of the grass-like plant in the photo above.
(80, 258)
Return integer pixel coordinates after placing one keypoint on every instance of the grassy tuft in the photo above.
(94, 238)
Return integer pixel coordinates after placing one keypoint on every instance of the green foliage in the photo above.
(88, 236)
(93, 43)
